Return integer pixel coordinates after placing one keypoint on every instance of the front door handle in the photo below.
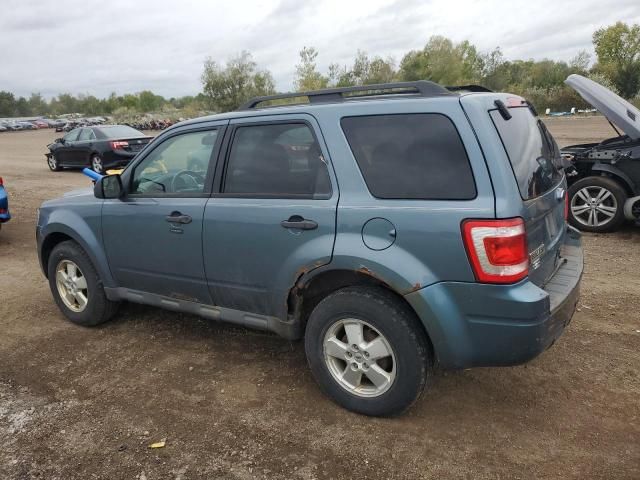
(296, 221)
(177, 217)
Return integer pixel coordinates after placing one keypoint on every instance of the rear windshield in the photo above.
(532, 151)
(411, 156)
(120, 131)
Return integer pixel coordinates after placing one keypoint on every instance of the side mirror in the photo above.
(59, 140)
(109, 186)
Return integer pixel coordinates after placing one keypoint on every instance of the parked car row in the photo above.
(150, 124)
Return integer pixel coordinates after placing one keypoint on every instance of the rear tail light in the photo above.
(3, 211)
(1, 182)
(119, 145)
(497, 249)
(566, 206)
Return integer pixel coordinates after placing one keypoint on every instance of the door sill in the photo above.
(289, 330)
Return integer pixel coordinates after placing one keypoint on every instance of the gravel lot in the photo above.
(231, 403)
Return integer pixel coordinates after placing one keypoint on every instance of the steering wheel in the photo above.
(196, 177)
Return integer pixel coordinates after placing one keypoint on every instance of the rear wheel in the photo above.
(96, 164)
(367, 351)
(596, 204)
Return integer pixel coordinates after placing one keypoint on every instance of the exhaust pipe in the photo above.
(632, 208)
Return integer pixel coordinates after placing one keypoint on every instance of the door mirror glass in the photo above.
(109, 187)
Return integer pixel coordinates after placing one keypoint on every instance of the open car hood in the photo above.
(615, 108)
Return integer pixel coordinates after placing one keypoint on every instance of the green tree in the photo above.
(22, 107)
(7, 104)
(149, 101)
(307, 75)
(38, 105)
(443, 62)
(364, 71)
(228, 87)
(618, 51)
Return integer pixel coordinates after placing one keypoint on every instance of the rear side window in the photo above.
(276, 160)
(411, 156)
(531, 149)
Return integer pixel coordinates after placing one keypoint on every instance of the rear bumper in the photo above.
(119, 158)
(477, 325)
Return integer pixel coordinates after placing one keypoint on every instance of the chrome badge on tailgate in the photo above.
(536, 255)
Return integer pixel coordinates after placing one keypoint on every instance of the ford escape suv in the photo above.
(394, 227)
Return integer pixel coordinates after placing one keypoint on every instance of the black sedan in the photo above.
(98, 147)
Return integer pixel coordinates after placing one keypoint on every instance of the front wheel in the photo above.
(76, 286)
(367, 351)
(596, 204)
(53, 163)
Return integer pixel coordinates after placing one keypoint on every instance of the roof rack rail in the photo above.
(468, 88)
(422, 88)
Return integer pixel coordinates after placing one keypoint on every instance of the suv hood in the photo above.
(79, 192)
(615, 108)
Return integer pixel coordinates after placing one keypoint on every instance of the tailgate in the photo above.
(536, 164)
(546, 228)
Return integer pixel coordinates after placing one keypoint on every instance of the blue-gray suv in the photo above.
(394, 227)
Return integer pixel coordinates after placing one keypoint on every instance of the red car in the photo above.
(40, 124)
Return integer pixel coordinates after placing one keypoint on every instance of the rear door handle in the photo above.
(296, 221)
(177, 217)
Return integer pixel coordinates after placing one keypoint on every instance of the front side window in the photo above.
(411, 156)
(177, 166)
(276, 160)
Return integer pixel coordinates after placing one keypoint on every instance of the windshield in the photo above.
(532, 151)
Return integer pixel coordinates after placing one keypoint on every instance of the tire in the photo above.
(379, 313)
(98, 308)
(596, 204)
(53, 163)
(96, 163)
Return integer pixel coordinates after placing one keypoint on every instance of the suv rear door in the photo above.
(273, 216)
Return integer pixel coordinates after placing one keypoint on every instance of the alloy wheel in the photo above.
(594, 206)
(359, 358)
(96, 164)
(72, 286)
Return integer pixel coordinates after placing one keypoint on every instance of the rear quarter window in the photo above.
(410, 156)
(533, 153)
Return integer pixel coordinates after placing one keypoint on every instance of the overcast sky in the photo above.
(96, 47)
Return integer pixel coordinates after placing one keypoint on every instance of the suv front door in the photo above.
(153, 236)
(273, 216)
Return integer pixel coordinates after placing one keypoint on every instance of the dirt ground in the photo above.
(231, 403)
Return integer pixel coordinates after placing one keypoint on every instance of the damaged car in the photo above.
(604, 177)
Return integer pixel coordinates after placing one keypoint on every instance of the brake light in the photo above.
(497, 249)
(119, 144)
(1, 182)
(3, 211)
(566, 206)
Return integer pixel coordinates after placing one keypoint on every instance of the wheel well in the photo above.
(303, 299)
(616, 178)
(48, 245)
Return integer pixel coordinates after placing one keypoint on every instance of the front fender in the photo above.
(85, 231)
(616, 172)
